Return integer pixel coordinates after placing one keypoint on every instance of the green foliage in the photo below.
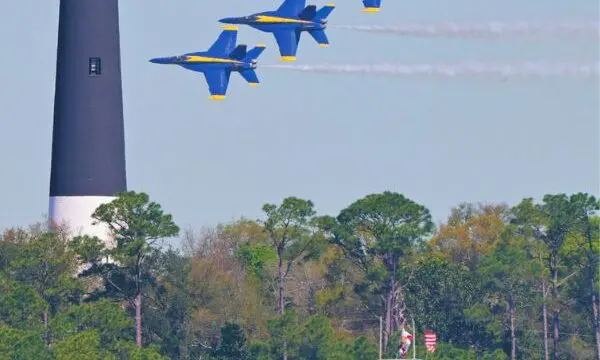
(22, 344)
(376, 233)
(289, 229)
(129, 351)
(481, 275)
(46, 264)
(438, 293)
(169, 304)
(20, 306)
(233, 343)
(507, 276)
(136, 224)
(388, 223)
(82, 345)
(11, 244)
(259, 350)
(363, 349)
(556, 223)
(255, 257)
(312, 338)
(449, 352)
(104, 319)
(89, 249)
(293, 235)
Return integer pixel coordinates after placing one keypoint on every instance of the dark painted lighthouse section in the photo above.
(88, 145)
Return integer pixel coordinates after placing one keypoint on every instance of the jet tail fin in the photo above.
(324, 12)
(250, 76)
(239, 52)
(254, 53)
(308, 13)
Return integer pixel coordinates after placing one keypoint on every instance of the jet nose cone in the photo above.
(159, 60)
(228, 20)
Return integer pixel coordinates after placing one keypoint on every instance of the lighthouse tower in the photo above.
(88, 145)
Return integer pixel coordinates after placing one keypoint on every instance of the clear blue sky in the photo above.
(331, 139)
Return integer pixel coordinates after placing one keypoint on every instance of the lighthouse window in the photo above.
(95, 68)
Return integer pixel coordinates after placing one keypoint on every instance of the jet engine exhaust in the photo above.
(504, 71)
(522, 30)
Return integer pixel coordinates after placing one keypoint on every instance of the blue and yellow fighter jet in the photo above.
(219, 61)
(287, 23)
(372, 5)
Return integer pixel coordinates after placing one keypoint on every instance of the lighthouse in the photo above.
(88, 142)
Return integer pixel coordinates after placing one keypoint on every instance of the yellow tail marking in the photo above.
(288, 58)
(371, 10)
(217, 97)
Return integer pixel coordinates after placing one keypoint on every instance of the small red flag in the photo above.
(430, 340)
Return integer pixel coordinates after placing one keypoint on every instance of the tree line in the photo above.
(492, 282)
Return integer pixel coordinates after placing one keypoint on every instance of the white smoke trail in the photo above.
(505, 71)
(489, 29)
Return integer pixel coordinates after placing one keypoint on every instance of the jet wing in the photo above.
(288, 43)
(291, 8)
(217, 80)
(225, 42)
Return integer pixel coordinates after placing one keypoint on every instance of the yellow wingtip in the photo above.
(330, 5)
(261, 45)
(253, 84)
(288, 58)
(230, 27)
(217, 97)
(323, 45)
(371, 10)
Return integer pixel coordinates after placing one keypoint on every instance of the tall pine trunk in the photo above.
(596, 316)
(281, 305)
(281, 288)
(592, 268)
(513, 337)
(387, 331)
(545, 319)
(46, 331)
(138, 319)
(555, 313)
(389, 308)
(390, 300)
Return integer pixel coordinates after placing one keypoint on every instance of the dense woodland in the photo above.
(494, 281)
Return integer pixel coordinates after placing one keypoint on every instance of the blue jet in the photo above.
(372, 5)
(219, 61)
(287, 23)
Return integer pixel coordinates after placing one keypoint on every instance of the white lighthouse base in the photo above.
(75, 212)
